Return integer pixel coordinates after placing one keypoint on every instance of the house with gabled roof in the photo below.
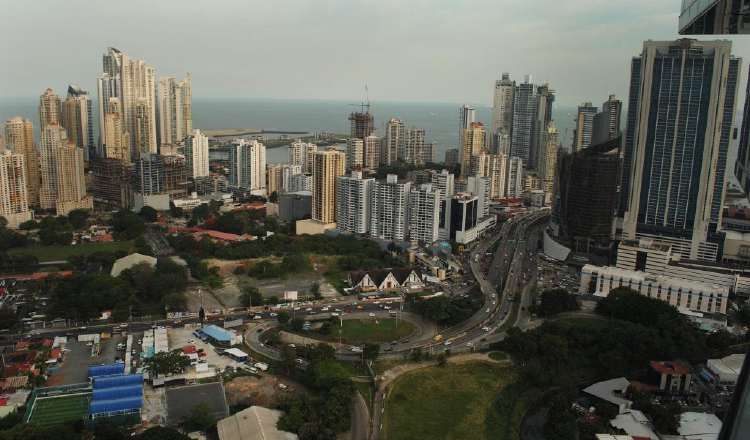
(387, 280)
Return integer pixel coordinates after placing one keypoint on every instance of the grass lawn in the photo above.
(449, 402)
(369, 331)
(58, 252)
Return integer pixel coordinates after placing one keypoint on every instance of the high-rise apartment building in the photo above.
(742, 164)
(133, 82)
(607, 121)
(444, 182)
(300, 182)
(353, 203)
(549, 162)
(452, 157)
(532, 113)
(473, 143)
(394, 141)
(78, 120)
(111, 182)
(247, 166)
(115, 143)
(466, 116)
(414, 146)
(480, 187)
(52, 140)
(19, 138)
(71, 180)
(424, 213)
(327, 166)
(502, 113)
(279, 178)
(494, 167)
(354, 153)
(14, 204)
(682, 101)
(196, 154)
(301, 153)
(50, 107)
(389, 209)
(175, 108)
(584, 130)
(371, 155)
(515, 177)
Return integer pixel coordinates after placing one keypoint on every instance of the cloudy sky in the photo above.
(405, 50)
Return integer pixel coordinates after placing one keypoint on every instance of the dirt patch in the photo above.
(263, 391)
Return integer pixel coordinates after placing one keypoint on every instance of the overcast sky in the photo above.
(405, 50)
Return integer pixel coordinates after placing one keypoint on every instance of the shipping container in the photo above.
(118, 392)
(119, 380)
(108, 406)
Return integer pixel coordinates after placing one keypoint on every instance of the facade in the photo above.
(50, 108)
(587, 187)
(371, 152)
(584, 130)
(386, 280)
(473, 144)
(327, 166)
(247, 166)
(175, 108)
(494, 167)
(393, 142)
(196, 154)
(607, 121)
(115, 141)
(679, 293)
(355, 149)
(111, 182)
(78, 120)
(452, 157)
(742, 164)
(71, 180)
(679, 201)
(300, 182)
(300, 153)
(464, 216)
(353, 203)
(467, 115)
(295, 206)
(424, 213)
(548, 168)
(502, 113)
(480, 187)
(414, 147)
(53, 139)
(389, 209)
(714, 17)
(362, 123)
(19, 138)
(515, 177)
(14, 203)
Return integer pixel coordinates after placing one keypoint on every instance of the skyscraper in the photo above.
(371, 154)
(515, 177)
(133, 82)
(247, 166)
(584, 130)
(389, 209)
(532, 113)
(175, 105)
(354, 153)
(474, 138)
(675, 154)
(301, 153)
(452, 157)
(466, 116)
(49, 109)
(502, 113)
(14, 206)
(353, 203)
(549, 162)
(71, 180)
(413, 147)
(362, 123)
(279, 177)
(19, 138)
(480, 187)
(607, 121)
(424, 213)
(78, 120)
(444, 182)
(327, 166)
(53, 139)
(394, 141)
(742, 165)
(115, 144)
(196, 154)
(493, 167)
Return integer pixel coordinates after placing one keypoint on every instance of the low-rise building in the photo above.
(386, 280)
(130, 261)
(670, 377)
(726, 370)
(254, 423)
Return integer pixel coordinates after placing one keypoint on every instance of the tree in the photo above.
(161, 433)
(556, 301)
(127, 225)
(167, 363)
(200, 418)
(149, 214)
(315, 290)
(251, 297)
(371, 351)
(283, 317)
(297, 324)
(28, 225)
(78, 218)
(274, 197)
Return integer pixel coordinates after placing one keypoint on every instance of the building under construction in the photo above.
(110, 183)
(363, 124)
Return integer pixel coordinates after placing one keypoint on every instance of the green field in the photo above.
(448, 402)
(54, 410)
(369, 331)
(57, 253)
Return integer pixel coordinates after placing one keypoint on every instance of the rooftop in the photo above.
(182, 400)
(673, 368)
(130, 261)
(634, 423)
(611, 391)
(254, 423)
(699, 426)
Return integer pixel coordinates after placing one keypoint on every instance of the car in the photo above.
(485, 329)
(487, 311)
(371, 315)
(309, 309)
(334, 314)
(325, 309)
(448, 342)
(359, 307)
(273, 315)
(469, 344)
(257, 317)
(292, 346)
(355, 349)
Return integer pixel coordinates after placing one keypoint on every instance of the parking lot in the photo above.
(554, 274)
(74, 368)
(180, 337)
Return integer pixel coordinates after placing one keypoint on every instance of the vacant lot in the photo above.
(58, 253)
(449, 402)
(368, 331)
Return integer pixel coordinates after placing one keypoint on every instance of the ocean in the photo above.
(440, 120)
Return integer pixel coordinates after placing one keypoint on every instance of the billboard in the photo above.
(290, 295)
